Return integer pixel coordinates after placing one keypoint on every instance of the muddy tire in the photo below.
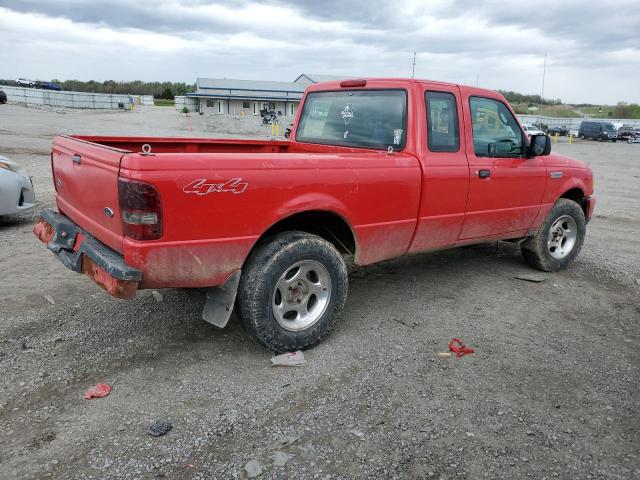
(559, 238)
(292, 291)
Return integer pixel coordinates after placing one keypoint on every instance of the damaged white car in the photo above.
(16, 188)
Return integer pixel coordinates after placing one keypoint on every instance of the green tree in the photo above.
(167, 93)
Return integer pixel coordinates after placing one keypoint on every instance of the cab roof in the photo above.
(375, 82)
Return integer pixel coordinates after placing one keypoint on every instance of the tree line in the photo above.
(166, 90)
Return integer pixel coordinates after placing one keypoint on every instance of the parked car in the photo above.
(531, 129)
(625, 132)
(561, 130)
(16, 189)
(601, 131)
(25, 82)
(3, 97)
(50, 86)
(274, 224)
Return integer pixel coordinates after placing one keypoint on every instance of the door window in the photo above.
(496, 132)
(442, 122)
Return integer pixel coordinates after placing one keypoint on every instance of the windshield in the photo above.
(355, 118)
(609, 127)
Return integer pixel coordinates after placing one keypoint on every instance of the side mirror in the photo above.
(539, 145)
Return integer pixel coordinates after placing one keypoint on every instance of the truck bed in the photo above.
(215, 206)
(187, 145)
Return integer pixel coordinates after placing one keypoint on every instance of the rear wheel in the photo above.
(559, 238)
(292, 291)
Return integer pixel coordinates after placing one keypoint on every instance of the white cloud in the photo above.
(593, 53)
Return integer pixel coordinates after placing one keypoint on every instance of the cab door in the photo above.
(505, 187)
(445, 171)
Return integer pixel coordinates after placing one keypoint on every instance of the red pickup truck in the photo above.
(374, 169)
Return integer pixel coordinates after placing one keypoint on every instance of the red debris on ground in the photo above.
(99, 391)
(456, 346)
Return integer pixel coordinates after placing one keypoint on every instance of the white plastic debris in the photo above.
(157, 295)
(280, 459)
(290, 359)
(49, 299)
(253, 469)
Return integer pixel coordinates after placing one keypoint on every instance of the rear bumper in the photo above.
(82, 253)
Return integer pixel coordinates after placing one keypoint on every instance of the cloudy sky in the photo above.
(593, 46)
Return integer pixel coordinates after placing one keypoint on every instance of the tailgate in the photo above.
(85, 175)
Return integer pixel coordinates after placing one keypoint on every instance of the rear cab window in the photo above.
(375, 119)
(443, 134)
(496, 132)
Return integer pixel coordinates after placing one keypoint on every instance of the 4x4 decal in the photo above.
(202, 186)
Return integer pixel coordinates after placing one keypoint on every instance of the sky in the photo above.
(593, 48)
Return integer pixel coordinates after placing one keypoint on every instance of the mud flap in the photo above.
(219, 306)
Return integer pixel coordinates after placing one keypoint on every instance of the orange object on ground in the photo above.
(99, 391)
(456, 346)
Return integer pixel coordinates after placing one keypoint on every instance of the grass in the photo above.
(557, 112)
(608, 111)
(163, 102)
(567, 111)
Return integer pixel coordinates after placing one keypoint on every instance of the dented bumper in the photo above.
(82, 253)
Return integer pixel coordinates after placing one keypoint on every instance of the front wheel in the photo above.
(292, 291)
(559, 238)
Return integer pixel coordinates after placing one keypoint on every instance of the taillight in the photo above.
(140, 210)
(360, 82)
(53, 174)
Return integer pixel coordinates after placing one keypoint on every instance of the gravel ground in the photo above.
(552, 392)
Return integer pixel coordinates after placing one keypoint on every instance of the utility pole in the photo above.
(413, 70)
(544, 72)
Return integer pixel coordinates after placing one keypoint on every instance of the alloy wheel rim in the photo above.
(562, 237)
(301, 295)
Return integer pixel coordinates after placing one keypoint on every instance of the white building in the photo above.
(223, 96)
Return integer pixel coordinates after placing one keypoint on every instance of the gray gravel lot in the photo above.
(553, 391)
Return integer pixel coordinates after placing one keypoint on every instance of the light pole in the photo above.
(544, 72)
(413, 69)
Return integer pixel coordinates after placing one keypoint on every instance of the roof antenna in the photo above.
(413, 70)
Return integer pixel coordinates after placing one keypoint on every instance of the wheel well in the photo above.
(577, 195)
(328, 225)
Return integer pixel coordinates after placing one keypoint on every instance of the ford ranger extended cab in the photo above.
(374, 169)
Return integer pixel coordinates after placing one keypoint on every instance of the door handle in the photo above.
(483, 173)
(76, 159)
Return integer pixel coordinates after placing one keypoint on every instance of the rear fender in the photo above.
(309, 202)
